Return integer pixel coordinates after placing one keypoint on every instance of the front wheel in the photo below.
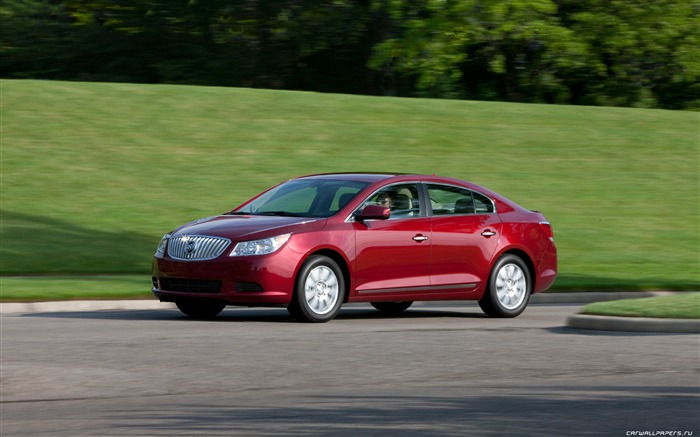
(509, 288)
(200, 309)
(319, 292)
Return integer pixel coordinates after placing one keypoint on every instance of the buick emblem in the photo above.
(190, 247)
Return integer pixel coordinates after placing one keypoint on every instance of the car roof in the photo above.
(372, 177)
(364, 177)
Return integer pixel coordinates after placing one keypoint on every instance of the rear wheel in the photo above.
(391, 307)
(509, 288)
(200, 309)
(319, 292)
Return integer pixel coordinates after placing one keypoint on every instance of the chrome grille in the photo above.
(196, 247)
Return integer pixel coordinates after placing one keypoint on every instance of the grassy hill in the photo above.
(93, 174)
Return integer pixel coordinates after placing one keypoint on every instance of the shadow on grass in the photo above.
(31, 244)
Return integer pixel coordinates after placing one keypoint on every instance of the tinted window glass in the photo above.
(483, 204)
(447, 200)
(305, 198)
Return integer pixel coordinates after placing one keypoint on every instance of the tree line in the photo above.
(590, 52)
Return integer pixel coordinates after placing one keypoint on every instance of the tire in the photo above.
(200, 309)
(391, 307)
(509, 288)
(293, 310)
(319, 291)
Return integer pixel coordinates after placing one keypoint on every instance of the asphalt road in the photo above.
(436, 370)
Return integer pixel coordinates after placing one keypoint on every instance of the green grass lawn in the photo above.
(41, 288)
(93, 174)
(679, 306)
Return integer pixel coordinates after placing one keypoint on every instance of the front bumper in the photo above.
(265, 280)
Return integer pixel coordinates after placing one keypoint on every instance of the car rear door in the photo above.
(465, 233)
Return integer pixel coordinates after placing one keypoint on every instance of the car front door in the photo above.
(393, 255)
(465, 233)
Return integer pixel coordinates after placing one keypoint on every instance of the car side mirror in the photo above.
(373, 212)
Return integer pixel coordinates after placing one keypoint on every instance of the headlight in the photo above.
(163, 244)
(259, 247)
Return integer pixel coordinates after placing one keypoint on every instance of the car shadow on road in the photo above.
(260, 315)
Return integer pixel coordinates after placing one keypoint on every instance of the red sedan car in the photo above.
(313, 243)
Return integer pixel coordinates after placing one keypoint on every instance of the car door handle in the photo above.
(420, 237)
(488, 234)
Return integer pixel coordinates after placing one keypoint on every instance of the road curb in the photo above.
(611, 323)
(80, 305)
(633, 324)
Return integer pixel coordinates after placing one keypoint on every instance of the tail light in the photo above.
(548, 229)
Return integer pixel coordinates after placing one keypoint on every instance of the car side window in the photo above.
(482, 204)
(402, 199)
(450, 200)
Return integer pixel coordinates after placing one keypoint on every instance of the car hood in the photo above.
(239, 227)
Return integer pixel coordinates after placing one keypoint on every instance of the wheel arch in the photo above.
(342, 263)
(528, 262)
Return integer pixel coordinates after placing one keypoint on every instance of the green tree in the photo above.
(641, 53)
(295, 44)
(443, 44)
(34, 37)
(603, 52)
(259, 43)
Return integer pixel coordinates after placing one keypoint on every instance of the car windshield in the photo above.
(304, 198)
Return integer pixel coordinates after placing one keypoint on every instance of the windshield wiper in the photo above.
(279, 213)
